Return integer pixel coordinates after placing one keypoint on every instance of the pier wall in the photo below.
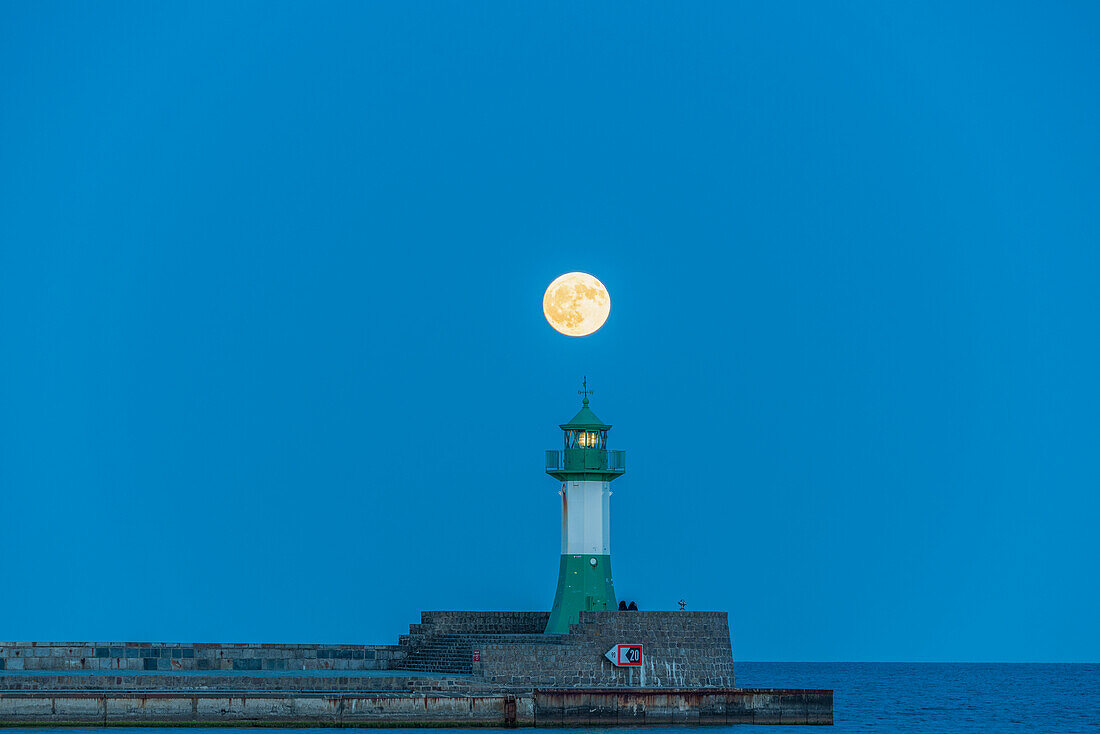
(680, 649)
(475, 669)
(542, 708)
(164, 656)
(482, 623)
(237, 683)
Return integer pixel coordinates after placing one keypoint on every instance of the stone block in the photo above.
(245, 709)
(24, 708)
(549, 710)
(316, 708)
(77, 709)
(765, 708)
(819, 708)
(792, 708)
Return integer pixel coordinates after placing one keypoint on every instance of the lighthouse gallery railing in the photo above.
(616, 460)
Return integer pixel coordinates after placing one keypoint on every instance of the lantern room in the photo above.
(585, 438)
(585, 454)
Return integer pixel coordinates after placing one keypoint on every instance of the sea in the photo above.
(943, 697)
(900, 697)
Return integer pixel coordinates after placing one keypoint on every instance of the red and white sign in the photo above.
(477, 656)
(625, 656)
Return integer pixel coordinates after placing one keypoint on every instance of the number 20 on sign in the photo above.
(625, 656)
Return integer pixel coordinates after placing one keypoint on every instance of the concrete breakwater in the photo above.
(682, 649)
(539, 708)
(453, 668)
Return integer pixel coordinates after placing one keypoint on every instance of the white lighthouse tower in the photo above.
(585, 468)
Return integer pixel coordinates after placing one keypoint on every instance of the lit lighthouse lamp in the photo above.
(585, 469)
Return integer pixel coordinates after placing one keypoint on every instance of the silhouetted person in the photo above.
(633, 607)
(622, 606)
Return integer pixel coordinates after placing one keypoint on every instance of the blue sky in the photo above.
(273, 365)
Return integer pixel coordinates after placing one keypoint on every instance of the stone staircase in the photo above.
(441, 654)
(453, 653)
(444, 642)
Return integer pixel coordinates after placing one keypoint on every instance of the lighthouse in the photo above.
(585, 467)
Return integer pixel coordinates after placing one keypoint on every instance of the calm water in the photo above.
(911, 697)
(939, 697)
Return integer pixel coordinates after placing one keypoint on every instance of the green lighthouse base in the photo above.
(582, 585)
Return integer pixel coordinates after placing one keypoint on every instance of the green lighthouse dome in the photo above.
(585, 418)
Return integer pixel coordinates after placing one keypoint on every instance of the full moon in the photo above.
(576, 304)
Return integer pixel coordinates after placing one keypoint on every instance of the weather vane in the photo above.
(585, 392)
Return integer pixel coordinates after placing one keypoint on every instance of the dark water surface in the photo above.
(943, 697)
(906, 697)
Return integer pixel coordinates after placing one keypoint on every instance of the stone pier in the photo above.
(452, 669)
